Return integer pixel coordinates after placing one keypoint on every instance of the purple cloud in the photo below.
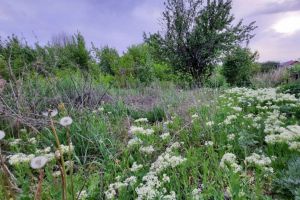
(122, 23)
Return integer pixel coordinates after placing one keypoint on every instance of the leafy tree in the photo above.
(108, 59)
(137, 63)
(197, 33)
(239, 65)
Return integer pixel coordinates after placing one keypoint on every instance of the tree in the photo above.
(197, 34)
(239, 65)
(108, 59)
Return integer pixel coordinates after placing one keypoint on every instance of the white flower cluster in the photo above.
(67, 148)
(19, 158)
(210, 123)
(15, 142)
(148, 150)
(262, 95)
(140, 130)
(286, 135)
(141, 120)
(230, 137)
(150, 188)
(208, 143)
(294, 146)
(136, 167)
(237, 109)
(229, 159)
(114, 187)
(164, 135)
(196, 193)
(229, 119)
(259, 160)
(134, 141)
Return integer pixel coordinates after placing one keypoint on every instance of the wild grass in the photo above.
(178, 149)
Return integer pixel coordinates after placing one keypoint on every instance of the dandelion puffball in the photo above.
(51, 113)
(66, 121)
(38, 162)
(2, 135)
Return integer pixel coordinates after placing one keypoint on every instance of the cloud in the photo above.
(121, 23)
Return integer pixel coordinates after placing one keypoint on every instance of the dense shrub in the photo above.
(136, 63)
(217, 79)
(292, 88)
(239, 66)
(108, 59)
(16, 55)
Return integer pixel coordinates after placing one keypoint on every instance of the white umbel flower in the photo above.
(66, 121)
(38, 162)
(2, 135)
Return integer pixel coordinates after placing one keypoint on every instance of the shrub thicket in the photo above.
(239, 66)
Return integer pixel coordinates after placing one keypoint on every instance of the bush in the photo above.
(108, 59)
(238, 66)
(289, 180)
(292, 88)
(136, 63)
(217, 79)
(16, 54)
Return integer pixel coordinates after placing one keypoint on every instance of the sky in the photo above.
(121, 23)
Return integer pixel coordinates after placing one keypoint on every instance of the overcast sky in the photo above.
(120, 23)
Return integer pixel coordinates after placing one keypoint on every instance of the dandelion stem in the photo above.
(38, 193)
(64, 175)
(70, 159)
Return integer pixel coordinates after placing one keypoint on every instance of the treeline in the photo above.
(201, 45)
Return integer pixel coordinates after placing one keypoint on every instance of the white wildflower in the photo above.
(208, 143)
(2, 134)
(134, 141)
(230, 137)
(149, 149)
(130, 181)
(259, 160)
(141, 120)
(32, 140)
(135, 167)
(166, 178)
(164, 135)
(66, 121)
(194, 116)
(210, 123)
(230, 160)
(38, 162)
(19, 158)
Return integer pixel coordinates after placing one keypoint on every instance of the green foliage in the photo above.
(109, 60)
(239, 66)
(197, 34)
(217, 79)
(16, 56)
(269, 66)
(137, 63)
(292, 88)
(289, 180)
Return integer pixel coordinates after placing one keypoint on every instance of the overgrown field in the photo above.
(154, 143)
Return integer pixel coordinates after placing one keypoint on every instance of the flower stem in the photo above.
(64, 174)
